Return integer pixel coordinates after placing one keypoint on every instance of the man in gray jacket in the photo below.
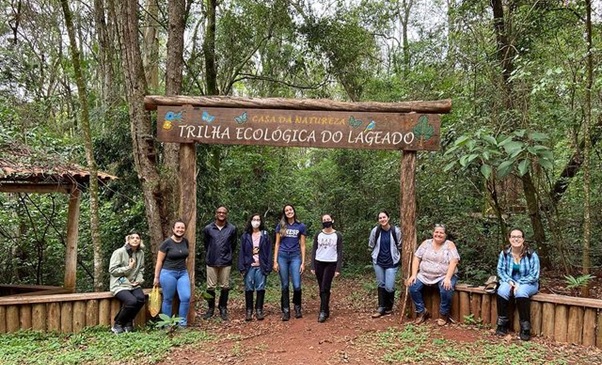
(220, 242)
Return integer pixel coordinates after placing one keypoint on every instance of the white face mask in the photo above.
(255, 224)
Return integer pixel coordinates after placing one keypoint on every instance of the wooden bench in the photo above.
(558, 317)
(64, 313)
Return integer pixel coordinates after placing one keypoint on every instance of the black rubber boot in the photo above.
(259, 305)
(210, 304)
(285, 305)
(223, 304)
(502, 326)
(323, 307)
(381, 304)
(249, 305)
(297, 303)
(502, 316)
(389, 301)
(524, 316)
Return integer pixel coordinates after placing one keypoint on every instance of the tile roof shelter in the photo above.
(20, 174)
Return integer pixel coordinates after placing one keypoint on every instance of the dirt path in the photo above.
(298, 341)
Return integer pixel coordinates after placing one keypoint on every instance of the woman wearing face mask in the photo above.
(326, 258)
(254, 263)
(385, 241)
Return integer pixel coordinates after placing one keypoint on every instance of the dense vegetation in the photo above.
(519, 148)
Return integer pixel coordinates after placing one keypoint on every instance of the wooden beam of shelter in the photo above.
(151, 102)
(6, 187)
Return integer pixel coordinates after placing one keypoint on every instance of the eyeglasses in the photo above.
(440, 225)
(516, 236)
(222, 212)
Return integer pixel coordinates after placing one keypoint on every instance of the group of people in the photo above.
(434, 263)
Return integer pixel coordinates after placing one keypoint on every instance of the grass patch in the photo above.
(423, 345)
(94, 345)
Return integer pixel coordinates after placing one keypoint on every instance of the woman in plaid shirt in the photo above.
(518, 272)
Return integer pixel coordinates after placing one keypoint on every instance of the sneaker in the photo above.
(422, 317)
(128, 327)
(117, 329)
(443, 320)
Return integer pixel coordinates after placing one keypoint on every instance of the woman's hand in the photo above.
(276, 267)
(302, 268)
(447, 285)
(156, 282)
(411, 280)
(336, 274)
(313, 272)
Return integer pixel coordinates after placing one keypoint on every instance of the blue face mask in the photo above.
(327, 224)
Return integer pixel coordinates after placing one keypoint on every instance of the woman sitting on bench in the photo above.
(518, 273)
(435, 263)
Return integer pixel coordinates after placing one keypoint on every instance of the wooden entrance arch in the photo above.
(407, 126)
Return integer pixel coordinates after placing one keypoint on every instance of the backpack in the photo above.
(379, 229)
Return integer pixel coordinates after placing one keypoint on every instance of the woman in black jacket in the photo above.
(254, 263)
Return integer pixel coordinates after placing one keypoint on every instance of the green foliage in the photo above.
(578, 282)
(96, 345)
(168, 323)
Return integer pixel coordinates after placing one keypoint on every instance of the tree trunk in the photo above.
(145, 155)
(587, 220)
(151, 45)
(209, 49)
(88, 146)
(105, 55)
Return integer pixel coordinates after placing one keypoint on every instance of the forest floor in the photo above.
(351, 336)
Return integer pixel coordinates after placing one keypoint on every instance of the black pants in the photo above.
(131, 303)
(324, 274)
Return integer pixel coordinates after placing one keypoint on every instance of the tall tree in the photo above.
(85, 126)
(587, 220)
(145, 153)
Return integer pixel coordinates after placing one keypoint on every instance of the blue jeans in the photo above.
(254, 279)
(172, 280)
(524, 290)
(445, 295)
(289, 264)
(385, 278)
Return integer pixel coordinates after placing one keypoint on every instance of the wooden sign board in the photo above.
(298, 128)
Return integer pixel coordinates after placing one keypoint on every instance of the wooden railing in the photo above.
(557, 317)
(64, 313)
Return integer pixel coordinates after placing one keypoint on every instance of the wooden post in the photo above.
(575, 325)
(408, 220)
(72, 236)
(486, 309)
(38, 317)
(67, 317)
(25, 317)
(188, 212)
(464, 306)
(589, 327)
(92, 313)
(12, 318)
(560, 324)
(3, 319)
(54, 317)
(536, 317)
(547, 320)
(79, 316)
(104, 312)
